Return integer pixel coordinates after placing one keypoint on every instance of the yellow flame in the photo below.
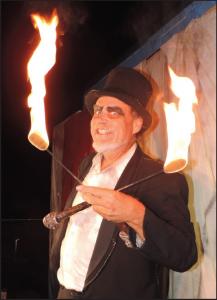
(180, 122)
(40, 63)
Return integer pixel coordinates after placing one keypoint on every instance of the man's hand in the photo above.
(115, 206)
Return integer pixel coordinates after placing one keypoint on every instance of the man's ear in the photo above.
(137, 124)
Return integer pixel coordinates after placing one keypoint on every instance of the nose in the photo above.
(104, 113)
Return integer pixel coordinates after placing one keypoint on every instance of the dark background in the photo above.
(93, 38)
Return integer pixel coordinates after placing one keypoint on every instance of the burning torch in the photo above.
(40, 63)
(179, 132)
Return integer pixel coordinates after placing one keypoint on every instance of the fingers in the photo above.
(115, 206)
(104, 212)
(97, 191)
(111, 205)
(92, 199)
(104, 201)
(97, 195)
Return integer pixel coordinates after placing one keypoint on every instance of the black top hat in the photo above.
(129, 86)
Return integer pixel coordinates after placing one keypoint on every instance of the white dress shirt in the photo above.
(83, 227)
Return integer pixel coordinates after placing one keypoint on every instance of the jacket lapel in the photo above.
(109, 231)
(105, 243)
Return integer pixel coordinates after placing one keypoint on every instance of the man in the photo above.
(119, 246)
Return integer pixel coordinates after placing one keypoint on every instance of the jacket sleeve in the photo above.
(169, 233)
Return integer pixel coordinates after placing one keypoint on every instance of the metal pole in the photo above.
(64, 167)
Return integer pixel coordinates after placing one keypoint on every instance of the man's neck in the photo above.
(110, 157)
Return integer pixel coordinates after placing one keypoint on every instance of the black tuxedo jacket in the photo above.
(119, 272)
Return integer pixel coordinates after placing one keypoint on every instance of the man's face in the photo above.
(113, 125)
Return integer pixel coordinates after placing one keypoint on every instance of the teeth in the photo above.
(103, 131)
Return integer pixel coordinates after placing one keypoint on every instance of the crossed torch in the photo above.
(178, 132)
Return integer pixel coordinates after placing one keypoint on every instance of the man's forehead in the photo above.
(111, 101)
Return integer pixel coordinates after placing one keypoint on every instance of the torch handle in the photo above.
(52, 220)
(71, 211)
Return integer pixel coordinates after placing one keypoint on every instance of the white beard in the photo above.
(102, 148)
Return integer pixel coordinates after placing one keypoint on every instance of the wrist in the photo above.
(137, 218)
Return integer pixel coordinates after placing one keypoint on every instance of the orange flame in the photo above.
(180, 122)
(40, 63)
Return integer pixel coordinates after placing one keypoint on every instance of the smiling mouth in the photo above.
(103, 131)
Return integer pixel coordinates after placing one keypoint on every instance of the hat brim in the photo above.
(92, 96)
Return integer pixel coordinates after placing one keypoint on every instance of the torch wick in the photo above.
(64, 167)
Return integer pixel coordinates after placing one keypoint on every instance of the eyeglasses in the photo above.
(113, 112)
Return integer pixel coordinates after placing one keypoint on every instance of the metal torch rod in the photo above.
(140, 180)
(64, 167)
(74, 209)
(54, 218)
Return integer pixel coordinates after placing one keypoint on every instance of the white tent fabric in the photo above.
(191, 53)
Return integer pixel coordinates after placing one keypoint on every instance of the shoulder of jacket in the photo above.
(146, 159)
(157, 165)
